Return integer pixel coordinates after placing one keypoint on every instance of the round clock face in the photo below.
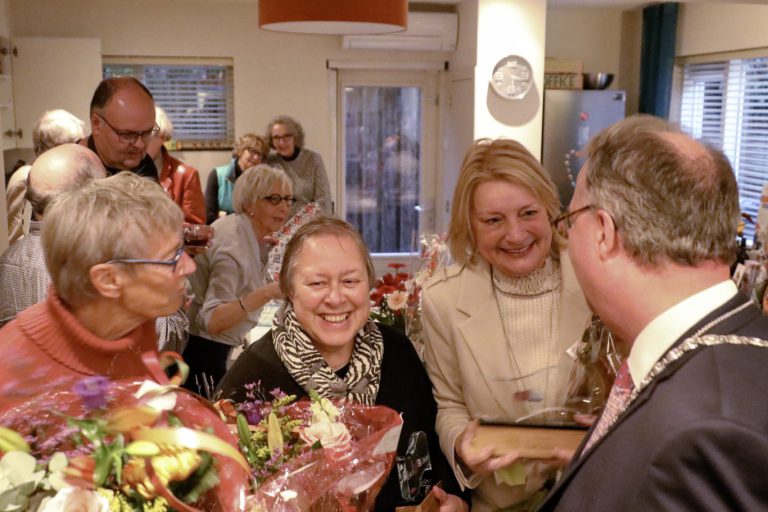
(512, 77)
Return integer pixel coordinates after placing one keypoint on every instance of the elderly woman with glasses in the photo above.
(323, 340)
(250, 150)
(230, 285)
(499, 321)
(114, 252)
(305, 167)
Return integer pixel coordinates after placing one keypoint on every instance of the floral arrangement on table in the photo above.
(118, 446)
(314, 453)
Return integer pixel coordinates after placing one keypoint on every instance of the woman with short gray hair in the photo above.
(230, 284)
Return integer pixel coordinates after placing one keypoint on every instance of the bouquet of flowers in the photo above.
(114, 446)
(314, 454)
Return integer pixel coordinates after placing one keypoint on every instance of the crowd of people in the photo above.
(99, 274)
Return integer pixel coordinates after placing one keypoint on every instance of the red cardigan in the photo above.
(182, 183)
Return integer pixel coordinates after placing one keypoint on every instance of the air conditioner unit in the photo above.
(427, 31)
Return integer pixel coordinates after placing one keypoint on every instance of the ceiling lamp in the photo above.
(333, 16)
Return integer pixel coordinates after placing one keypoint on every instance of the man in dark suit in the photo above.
(652, 228)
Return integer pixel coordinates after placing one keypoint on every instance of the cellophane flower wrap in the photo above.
(315, 454)
(106, 445)
(596, 362)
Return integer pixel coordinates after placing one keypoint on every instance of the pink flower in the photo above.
(397, 300)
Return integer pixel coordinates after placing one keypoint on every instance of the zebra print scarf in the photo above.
(308, 368)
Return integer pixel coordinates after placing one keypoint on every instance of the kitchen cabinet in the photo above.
(47, 73)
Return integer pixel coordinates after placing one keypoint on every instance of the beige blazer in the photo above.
(467, 358)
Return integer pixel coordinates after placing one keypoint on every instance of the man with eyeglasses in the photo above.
(652, 233)
(122, 123)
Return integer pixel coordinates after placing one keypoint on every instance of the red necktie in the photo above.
(617, 402)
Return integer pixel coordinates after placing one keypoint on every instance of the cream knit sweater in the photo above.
(530, 308)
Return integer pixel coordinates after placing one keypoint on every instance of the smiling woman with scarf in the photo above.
(324, 340)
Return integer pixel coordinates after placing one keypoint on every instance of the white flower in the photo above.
(397, 300)
(74, 499)
(162, 401)
(330, 434)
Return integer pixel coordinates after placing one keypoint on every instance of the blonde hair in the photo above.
(255, 183)
(54, 128)
(502, 160)
(107, 219)
(251, 141)
(164, 123)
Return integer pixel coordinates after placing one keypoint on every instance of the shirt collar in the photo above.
(660, 334)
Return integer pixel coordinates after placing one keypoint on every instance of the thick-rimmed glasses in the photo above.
(132, 137)
(173, 262)
(282, 138)
(276, 198)
(568, 219)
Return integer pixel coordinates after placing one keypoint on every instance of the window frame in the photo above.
(221, 138)
(736, 132)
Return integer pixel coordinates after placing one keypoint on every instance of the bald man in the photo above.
(122, 123)
(23, 277)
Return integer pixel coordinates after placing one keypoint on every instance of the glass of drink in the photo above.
(197, 237)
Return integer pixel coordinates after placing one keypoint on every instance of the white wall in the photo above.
(274, 73)
(591, 35)
(719, 27)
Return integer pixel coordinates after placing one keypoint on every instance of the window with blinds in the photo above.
(725, 103)
(199, 99)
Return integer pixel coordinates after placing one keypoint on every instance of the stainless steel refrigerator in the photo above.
(571, 119)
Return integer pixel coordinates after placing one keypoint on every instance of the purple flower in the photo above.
(252, 412)
(92, 391)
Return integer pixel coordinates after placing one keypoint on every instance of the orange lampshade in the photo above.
(334, 16)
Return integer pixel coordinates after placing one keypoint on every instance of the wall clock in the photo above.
(512, 77)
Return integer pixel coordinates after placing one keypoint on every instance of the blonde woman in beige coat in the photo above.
(499, 321)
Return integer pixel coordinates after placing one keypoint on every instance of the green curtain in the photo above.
(658, 58)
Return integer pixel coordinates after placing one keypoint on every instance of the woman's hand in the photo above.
(449, 502)
(480, 461)
(272, 291)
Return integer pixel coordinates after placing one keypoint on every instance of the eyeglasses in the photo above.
(568, 218)
(132, 137)
(276, 198)
(173, 262)
(281, 138)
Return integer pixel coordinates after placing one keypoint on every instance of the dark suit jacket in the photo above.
(695, 438)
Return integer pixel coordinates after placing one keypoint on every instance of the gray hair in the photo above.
(104, 220)
(291, 125)
(164, 124)
(54, 128)
(255, 183)
(671, 199)
(323, 225)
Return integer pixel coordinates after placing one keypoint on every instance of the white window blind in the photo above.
(726, 104)
(199, 99)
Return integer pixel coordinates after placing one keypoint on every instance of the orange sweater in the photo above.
(46, 348)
